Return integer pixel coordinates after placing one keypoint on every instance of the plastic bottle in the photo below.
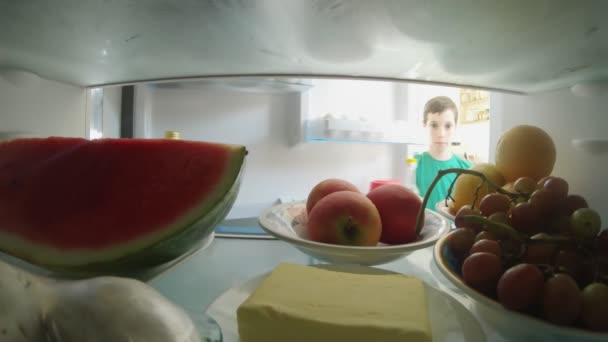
(172, 135)
(410, 175)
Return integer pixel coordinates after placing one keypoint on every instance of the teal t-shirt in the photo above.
(426, 170)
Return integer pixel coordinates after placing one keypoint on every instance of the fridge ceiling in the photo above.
(517, 45)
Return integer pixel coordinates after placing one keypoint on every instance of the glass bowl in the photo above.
(514, 326)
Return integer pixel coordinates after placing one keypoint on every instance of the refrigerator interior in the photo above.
(286, 158)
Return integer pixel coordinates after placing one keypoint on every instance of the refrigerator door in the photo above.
(519, 45)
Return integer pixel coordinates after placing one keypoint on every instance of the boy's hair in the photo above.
(439, 104)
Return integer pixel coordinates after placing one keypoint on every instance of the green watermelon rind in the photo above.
(189, 232)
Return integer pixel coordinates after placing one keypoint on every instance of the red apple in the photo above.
(325, 188)
(345, 218)
(398, 207)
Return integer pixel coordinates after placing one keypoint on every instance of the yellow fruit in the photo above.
(525, 151)
(509, 187)
(466, 185)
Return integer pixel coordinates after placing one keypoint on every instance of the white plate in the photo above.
(288, 222)
(443, 210)
(450, 320)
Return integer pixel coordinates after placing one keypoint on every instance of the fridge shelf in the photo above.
(492, 45)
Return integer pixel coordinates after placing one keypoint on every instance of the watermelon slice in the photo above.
(112, 205)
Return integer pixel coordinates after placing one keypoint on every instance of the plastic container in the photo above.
(410, 175)
(377, 182)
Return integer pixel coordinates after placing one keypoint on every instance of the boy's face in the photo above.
(441, 128)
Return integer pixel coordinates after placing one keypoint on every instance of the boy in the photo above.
(440, 119)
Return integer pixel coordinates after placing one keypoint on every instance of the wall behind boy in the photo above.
(42, 108)
(260, 121)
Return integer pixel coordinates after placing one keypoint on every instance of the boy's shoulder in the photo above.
(420, 155)
(461, 162)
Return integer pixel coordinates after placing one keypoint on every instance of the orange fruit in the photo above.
(525, 151)
(466, 185)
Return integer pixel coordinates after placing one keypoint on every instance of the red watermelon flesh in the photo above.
(104, 199)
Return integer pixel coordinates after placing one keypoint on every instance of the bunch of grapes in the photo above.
(538, 250)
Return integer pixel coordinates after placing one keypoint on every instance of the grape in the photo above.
(525, 185)
(494, 202)
(560, 224)
(562, 302)
(500, 217)
(595, 306)
(463, 211)
(572, 203)
(520, 287)
(511, 247)
(481, 271)
(485, 235)
(557, 186)
(526, 218)
(461, 240)
(542, 181)
(602, 242)
(489, 246)
(545, 201)
(520, 199)
(585, 223)
(569, 261)
(540, 253)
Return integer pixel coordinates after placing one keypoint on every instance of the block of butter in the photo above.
(300, 303)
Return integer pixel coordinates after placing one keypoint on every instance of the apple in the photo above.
(398, 207)
(325, 188)
(345, 218)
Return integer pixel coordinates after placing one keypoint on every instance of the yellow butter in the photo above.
(300, 303)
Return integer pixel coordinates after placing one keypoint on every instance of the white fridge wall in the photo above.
(262, 123)
(565, 117)
(42, 108)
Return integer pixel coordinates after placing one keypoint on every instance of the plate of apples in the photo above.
(340, 224)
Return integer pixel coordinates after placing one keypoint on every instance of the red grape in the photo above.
(489, 246)
(595, 306)
(520, 287)
(601, 242)
(494, 202)
(557, 186)
(526, 218)
(569, 261)
(461, 240)
(572, 203)
(466, 210)
(485, 235)
(540, 253)
(481, 271)
(545, 201)
(511, 247)
(562, 302)
(560, 224)
(542, 181)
